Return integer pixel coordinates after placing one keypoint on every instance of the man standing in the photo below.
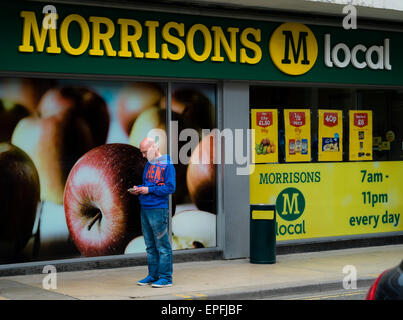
(158, 183)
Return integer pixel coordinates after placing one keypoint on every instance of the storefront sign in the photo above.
(265, 139)
(374, 57)
(330, 135)
(315, 200)
(360, 135)
(293, 48)
(92, 40)
(176, 43)
(297, 123)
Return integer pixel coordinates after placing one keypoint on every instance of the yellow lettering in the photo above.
(198, 42)
(244, 58)
(31, 28)
(152, 25)
(166, 54)
(125, 38)
(219, 38)
(97, 36)
(85, 34)
(207, 43)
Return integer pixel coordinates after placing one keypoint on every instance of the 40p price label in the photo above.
(330, 119)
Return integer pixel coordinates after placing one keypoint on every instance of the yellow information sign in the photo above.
(265, 139)
(360, 135)
(330, 135)
(297, 123)
(331, 199)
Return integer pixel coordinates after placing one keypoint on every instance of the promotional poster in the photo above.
(297, 124)
(361, 135)
(330, 135)
(265, 139)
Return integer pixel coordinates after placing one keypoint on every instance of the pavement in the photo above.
(217, 279)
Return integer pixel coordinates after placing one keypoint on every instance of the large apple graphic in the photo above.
(201, 175)
(60, 133)
(134, 99)
(54, 144)
(19, 198)
(193, 229)
(10, 114)
(101, 215)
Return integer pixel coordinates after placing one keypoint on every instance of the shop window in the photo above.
(57, 123)
(193, 111)
(386, 107)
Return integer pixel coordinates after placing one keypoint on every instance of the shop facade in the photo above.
(80, 88)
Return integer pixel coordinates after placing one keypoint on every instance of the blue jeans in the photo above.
(154, 223)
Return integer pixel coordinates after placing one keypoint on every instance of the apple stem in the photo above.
(97, 217)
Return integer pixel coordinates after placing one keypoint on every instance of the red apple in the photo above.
(201, 175)
(54, 143)
(19, 198)
(70, 121)
(87, 105)
(101, 215)
(10, 114)
(134, 99)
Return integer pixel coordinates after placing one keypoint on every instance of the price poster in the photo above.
(297, 123)
(264, 141)
(360, 135)
(330, 135)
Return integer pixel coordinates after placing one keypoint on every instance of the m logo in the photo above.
(293, 48)
(290, 204)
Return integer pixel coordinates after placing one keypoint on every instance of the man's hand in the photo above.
(142, 190)
(134, 190)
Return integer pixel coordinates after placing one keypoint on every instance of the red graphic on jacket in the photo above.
(155, 174)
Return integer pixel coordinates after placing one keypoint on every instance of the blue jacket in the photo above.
(159, 177)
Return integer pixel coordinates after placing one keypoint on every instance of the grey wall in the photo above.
(233, 220)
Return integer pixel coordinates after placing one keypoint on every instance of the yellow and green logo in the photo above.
(293, 48)
(290, 204)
